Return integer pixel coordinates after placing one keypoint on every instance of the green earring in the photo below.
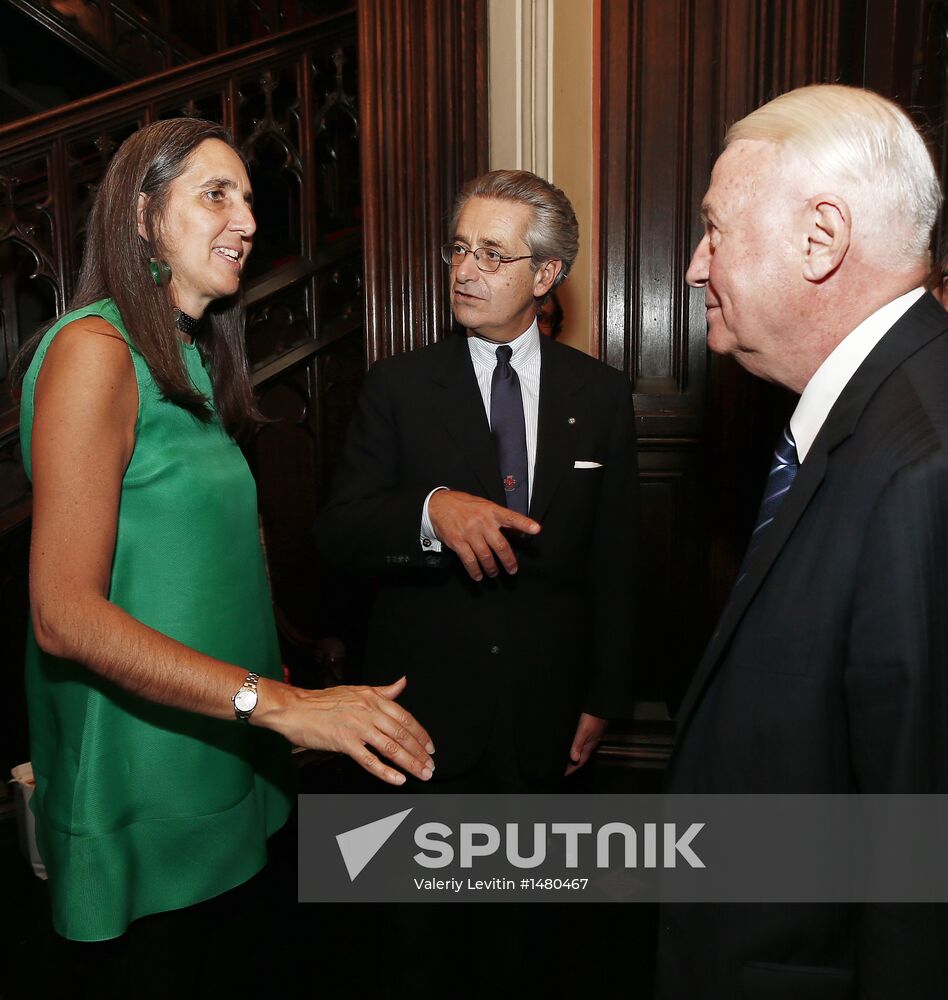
(160, 271)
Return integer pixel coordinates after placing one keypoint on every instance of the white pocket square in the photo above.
(587, 465)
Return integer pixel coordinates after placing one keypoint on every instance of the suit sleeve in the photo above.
(372, 519)
(896, 687)
(612, 569)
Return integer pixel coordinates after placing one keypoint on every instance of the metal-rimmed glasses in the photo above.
(485, 258)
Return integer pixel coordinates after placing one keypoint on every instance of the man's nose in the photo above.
(467, 269)
(697, 273)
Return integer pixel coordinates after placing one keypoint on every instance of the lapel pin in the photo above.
(571, 420)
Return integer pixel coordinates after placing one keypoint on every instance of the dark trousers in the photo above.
(476, 950)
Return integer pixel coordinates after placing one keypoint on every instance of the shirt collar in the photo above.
(829, 380)
(525, 348)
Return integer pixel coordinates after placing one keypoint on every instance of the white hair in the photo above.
(869, 145)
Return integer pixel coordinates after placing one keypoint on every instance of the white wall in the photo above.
(542, 119)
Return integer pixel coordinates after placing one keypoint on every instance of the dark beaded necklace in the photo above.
(185, 323)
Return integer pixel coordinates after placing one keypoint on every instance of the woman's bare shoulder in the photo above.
(88, 333)
(90, 342)
(89, 358)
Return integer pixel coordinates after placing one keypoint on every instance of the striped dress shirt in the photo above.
(526, 363)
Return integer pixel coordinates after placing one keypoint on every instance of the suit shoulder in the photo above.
(420, 358)
(403, 368)
(927, 369)
(926, 372)
(581, 360)
(907, 416)
(589, 368)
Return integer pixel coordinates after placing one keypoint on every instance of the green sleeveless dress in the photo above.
(142, 808)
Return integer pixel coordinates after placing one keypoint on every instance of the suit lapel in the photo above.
(460, 407)
(791, 510)
(925, 320)
(555, 433)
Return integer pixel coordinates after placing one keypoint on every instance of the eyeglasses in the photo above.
(486, 259)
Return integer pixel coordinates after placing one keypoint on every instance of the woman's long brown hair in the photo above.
(115, 264)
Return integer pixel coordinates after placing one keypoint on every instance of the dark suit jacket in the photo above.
(559, 628)
(829, 673)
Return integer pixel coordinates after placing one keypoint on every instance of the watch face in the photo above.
(245, 700)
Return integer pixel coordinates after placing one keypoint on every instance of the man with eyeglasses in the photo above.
(490, 481)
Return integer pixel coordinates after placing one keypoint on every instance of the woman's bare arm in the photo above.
(86, 404)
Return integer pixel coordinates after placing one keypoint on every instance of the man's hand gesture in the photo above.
(472, 527)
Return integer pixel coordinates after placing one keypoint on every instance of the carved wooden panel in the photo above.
(31, 275)
(424, 133)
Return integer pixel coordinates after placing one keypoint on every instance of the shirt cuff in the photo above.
(429, 540)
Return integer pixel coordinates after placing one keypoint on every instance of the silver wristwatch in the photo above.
(245, 700)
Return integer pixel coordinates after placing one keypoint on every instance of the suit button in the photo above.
(495, 650)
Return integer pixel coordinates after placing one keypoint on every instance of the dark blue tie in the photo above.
(510, 431)
(783, 471)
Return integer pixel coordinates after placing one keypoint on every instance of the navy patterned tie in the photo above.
(783, 471)
(509, 429)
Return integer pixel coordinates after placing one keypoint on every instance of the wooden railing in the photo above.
(137, 38)
(116, 36)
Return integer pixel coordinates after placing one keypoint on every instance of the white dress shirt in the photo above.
(525, 361)
(829, 380)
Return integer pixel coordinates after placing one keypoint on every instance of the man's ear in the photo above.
(828, 235)
(140, 212)
(545, 276)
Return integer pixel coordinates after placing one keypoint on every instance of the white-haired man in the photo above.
(828, 672)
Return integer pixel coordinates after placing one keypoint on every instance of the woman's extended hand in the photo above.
(360, 721)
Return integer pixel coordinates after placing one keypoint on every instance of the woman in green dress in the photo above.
(159, 723)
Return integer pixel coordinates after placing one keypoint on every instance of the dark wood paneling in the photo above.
(674, 526)
(674, 73)
(424, 133)
(887, 30)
